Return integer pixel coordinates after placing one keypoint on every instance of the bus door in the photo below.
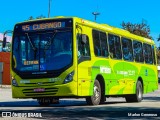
(84, 60)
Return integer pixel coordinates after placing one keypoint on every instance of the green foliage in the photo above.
(158, 55)
(30, 18)
(158, 39)
(38, 17)
(141, 29)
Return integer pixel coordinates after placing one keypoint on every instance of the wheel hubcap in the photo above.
(140, 93)
(96, 93)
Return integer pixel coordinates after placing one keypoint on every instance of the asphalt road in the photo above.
(112, 109)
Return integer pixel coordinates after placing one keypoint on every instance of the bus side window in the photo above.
(138, 51)
(127, 49)
(115, 47)
(100, 43)
(147, 53)
(104, 44)
(96, 41)
(153, 53)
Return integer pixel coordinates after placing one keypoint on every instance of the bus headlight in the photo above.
(69, 78)
(14, 82)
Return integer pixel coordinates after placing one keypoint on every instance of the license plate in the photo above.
(39, 90)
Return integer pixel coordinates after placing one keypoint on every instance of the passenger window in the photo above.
(127, 49)
(147, 53)
(96, 41)
(153, 53)
(138, 51)
(104, 45)
(100, 43)
(114, 46)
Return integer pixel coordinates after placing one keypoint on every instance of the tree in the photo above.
(31, 18)
(141, 29)
(158, 51)
(38, 17)
(158, 55)
(158, 39)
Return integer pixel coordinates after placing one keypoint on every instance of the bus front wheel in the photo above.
(95, 99)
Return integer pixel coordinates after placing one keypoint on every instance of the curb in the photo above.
(5, 86)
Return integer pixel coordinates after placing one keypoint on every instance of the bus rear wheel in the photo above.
(95, 99)
(139, 94)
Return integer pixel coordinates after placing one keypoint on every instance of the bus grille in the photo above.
(46, 92)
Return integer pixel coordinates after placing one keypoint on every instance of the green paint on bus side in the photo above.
(121, 77)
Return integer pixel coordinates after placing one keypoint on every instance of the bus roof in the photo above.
(103, 27)
(115, 30)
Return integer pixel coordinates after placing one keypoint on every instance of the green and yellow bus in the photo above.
(69, 57)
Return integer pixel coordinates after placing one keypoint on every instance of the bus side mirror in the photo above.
(84, 39)
(4, 42)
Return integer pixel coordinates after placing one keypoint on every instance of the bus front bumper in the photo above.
(65, 90)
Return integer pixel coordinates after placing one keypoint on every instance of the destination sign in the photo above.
(43, 26)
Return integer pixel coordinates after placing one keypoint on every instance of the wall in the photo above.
(5, 59)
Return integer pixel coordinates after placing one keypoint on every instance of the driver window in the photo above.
(83, 48)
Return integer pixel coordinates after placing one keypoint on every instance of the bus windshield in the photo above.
(42, 51)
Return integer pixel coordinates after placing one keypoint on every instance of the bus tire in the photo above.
(139, 94)
(95, 99)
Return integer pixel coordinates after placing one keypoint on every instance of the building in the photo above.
(9, 39)
(5, 61)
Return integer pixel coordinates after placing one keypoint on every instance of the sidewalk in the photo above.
(5, 86)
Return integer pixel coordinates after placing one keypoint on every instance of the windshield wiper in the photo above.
(50, 40)
(33, 47)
